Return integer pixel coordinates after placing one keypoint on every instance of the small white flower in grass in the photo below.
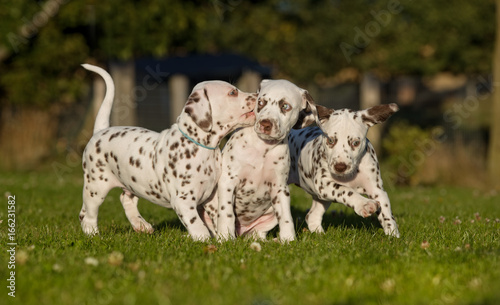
(141, 275)
(91, 261)
(457, 221)
(31, 248)
(7, 194)
(255, 246)
(57, 268)
(475, 283)
(349, 281)
(115, 258)
(388, 285)
(22, 257)
(1, 220)
(442, 219)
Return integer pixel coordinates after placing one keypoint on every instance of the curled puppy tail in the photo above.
(104, 114)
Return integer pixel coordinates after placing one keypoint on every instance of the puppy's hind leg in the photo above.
(129, 202)
(188, 215)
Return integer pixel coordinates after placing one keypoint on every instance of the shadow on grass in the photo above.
(336, 219)
(332, 218)
(170, 224)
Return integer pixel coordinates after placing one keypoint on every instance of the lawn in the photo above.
(448, 253)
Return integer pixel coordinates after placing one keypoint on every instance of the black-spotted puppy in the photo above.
(177, 168)
(253, 194)
(338, 164)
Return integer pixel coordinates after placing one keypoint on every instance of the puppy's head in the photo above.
(279, 105)
(220, 106)
(345, 135)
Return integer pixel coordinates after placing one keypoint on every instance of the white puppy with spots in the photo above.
(337, 163)
(253, 194)
(177, 168)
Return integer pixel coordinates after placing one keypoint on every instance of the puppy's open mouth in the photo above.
(248, 114)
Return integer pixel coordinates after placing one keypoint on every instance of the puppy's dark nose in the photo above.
(340, 167)
(266, 126)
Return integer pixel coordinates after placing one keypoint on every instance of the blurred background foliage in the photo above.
(44, 42)
(310, 42)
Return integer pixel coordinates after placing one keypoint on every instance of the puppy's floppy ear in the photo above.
(308, 115)
(378, 114)
(324, 113)
(199, 109)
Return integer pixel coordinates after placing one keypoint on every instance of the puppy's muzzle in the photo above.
(265, 126)
(340, 167)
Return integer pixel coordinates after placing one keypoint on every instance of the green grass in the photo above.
(353, 263)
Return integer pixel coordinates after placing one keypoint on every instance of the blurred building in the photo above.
(152, 92)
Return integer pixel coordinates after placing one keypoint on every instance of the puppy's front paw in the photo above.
(391, 228)
(368, 208)
(316, 228)
(89, 229)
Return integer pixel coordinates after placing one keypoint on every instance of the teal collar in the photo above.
(196, 142)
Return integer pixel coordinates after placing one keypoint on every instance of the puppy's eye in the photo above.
(355, 143)
(233, 92)
(261, 102)
(331, 141)
(286, 107)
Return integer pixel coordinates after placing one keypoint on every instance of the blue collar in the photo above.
(196, 142)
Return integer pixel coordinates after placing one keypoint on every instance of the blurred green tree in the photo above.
(310, 39)
(307, 41)
(494, 148)
(43, 43)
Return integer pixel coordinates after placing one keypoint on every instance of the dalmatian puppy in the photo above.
(177, 168)
(253, 195)
(338, 163)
